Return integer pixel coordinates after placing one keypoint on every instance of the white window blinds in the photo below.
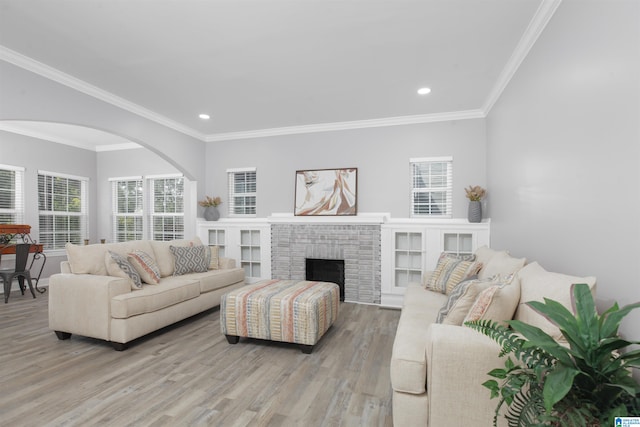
(63, 209)
(431, 186)
(166, 207)
(11, 194)
(242, 192)
(127, 209)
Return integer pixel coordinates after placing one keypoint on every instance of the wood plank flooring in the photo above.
(188, 375)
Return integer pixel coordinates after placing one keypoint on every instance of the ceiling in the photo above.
(276, 66)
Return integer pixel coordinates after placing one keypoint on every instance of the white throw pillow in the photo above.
(501, 264)
(536, 283)
(497, 303)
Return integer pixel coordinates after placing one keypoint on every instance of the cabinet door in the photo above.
(217, 237)
(250, 255)
(407, 258)
(459, 243)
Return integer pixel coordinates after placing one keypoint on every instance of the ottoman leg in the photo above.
(232, 339)
(306, 349)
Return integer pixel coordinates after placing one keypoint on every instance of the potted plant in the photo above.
(588, 382)
(475, 194)
(210, 205)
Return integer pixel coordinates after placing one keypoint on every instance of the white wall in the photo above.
(563, 161)
(380, 154)
(35, 154)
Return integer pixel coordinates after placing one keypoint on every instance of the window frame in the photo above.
(17, 213)
(153, 215)
(117, 214)
(51, 244)
(233, 195)
(430, 188)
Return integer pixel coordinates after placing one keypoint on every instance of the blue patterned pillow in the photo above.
(128, 269)
(190, 259)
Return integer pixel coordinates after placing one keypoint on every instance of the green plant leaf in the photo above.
(586, 314)
(498, 373)
(557, 384)
(538, 338)
(612, 320)
(559, 315)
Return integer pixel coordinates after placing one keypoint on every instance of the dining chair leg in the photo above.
(30, 286)
(7, 290)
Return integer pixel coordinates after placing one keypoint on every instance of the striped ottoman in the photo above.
(280, 310)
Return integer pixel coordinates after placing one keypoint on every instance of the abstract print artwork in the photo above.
(326, 192)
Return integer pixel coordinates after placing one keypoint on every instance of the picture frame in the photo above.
(326, 192)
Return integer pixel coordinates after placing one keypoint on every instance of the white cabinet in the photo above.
(247, 242)
(411, 247)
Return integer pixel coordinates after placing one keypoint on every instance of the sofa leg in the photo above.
(232, 339)
(118, 346)
(306, 349)
(63, 335)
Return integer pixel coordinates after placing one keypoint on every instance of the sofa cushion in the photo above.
(408, 359)
(536, 284)
(90, 259)
(170, 291)
(145, 266)
(497, 303)
(119, 266)
(450, 271)
(502, 264)
(190, 259)
(460, 300)
(216, 279)
(164, 257)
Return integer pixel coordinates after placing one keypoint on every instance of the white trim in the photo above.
(234, 170)
(169, 175)
(431, 159)
(58, 76)
(125, 178)
(357, 124)
(537, 24)
(117, 147)
(12, 168)
(63, 175)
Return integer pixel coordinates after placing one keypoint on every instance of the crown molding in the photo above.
(537, 24)
(117, 147)
(58, 76)
(357, 124)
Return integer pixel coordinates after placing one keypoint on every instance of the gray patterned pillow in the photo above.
(190, 259)
(127, 268)
(461, 300)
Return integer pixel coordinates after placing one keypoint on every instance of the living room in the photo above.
(538, 144)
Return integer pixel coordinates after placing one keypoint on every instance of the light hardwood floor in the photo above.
(187, 374)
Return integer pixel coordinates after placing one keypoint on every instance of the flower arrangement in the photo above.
(210, 201)
(476, 193)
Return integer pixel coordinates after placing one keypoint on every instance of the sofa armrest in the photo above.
(81, 303)
(226, 263)
(458, 360)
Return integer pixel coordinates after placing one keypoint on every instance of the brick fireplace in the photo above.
(358, 245)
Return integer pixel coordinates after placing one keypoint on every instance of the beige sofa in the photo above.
(91, 297)
(437, 369)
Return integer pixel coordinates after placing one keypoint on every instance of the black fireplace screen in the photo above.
(326, 270)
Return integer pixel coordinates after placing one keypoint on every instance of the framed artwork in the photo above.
(327, 192)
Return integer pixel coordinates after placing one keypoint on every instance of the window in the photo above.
(11, 195)
(127, 209)
(431, 186)
(62, 204)
(242, 191)
(166, 207)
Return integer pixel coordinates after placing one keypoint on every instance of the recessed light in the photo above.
(204, 116)
(424, 91)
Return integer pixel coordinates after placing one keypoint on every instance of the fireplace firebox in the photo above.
(326, 270)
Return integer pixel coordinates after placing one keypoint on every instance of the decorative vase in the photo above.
(475, 211)
(211, 213)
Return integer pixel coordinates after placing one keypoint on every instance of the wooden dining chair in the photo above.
(20, 272)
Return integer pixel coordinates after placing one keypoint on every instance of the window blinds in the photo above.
(431, 186)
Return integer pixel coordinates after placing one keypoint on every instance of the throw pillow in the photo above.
(536, 283)
(145, 266)
(125, 268)
(189, 259)
(214, 262)
(501, 263)
(461, 300)
(497, 303)
(450, 271)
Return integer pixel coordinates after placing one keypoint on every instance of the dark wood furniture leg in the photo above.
(118, 346)
(232, 339)
(63, 335)
(306, 349)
